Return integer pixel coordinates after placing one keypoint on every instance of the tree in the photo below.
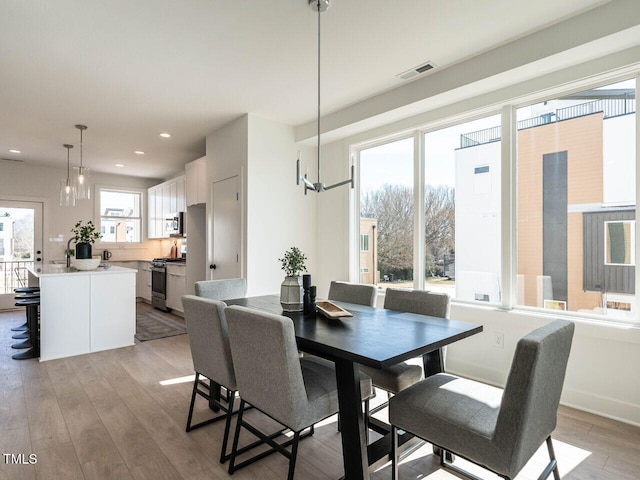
(392, 206)
(439, 225)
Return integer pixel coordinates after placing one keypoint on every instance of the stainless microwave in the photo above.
(174, 225)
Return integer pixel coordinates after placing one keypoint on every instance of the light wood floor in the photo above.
(121, 415)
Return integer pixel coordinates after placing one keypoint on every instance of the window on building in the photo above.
(462, 210)
(386, 213)
(575, 198)
(1, 245)
(364, 243)
(1, 226)
(120, 214)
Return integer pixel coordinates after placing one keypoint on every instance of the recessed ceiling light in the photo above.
(13, 150)
(120, 165)
(165, 135)
(139, 152)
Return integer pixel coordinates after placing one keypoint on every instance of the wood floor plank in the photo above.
(135, 445)
(16, 442)
(110, 467)
(59, 462)
(46, 422)
(89, 436)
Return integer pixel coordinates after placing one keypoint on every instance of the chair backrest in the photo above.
(222, 289)
(360, 293)
(531, 396)
(434, 304)
(265, 357)
(209, 339)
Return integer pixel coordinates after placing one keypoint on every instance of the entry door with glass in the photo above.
(20, 245)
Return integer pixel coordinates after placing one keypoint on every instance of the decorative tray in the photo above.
(331, 310)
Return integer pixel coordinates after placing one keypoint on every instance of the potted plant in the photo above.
(84, 236)
(291, 292)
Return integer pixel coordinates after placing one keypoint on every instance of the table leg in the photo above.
(354, 445)
(433, 362)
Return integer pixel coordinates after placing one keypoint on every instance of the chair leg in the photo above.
(294, 455)
(394, 452)
(193, 401)
(553, 464)
(236, 437)
(223, 452)
(366, 421)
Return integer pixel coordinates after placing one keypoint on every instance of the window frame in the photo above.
(508, 181)
(142, 218)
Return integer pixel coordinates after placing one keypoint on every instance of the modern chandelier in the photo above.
(318, 6)
(67, 188)
(83, 190)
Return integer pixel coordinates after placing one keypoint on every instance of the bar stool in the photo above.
(24, 290)
(33, 343)
(23, 329)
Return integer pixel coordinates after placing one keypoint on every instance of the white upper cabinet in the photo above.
(196, 181)
(164, 200)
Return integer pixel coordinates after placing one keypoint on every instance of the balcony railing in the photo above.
(13, 274)
(610, 107)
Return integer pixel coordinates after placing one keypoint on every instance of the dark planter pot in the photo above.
(83, 250)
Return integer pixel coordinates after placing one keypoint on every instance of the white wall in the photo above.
(276, 213)
(42, 184)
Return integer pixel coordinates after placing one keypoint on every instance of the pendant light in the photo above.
(83, 191)
(67, 188)
(318, 6)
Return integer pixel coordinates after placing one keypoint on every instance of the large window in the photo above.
(576, 195)
(568, 215)
(120, 214)
(386, 214)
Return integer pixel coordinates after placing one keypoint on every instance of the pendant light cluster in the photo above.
(77, 188)
(319, 6)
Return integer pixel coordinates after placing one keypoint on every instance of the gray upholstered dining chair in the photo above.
(402, 375)
(211, 354)
(225, 289)
(497, 429)
(296, 392)
(360, 293)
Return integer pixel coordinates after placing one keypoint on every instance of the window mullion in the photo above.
(419, 259)
(508, 260)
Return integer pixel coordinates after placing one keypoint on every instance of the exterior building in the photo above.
(368, 250)
(575, 207)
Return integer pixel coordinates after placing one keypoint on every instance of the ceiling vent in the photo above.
(12, 160)
(415, 71)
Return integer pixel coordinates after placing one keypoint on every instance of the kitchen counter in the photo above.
(57, 270)
(84, 311)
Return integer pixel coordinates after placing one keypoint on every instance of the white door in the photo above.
(20, 245)
(227, 245)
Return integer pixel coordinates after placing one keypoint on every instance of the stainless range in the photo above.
(159, 284)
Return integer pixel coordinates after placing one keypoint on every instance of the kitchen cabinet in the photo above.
(143, 281)
(196, 182)
(176, 286)
(164, 200)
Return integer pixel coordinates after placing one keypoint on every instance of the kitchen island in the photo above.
(84, 311)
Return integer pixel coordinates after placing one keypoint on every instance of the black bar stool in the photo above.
(21, 291)
(24, 334)
(33, 342)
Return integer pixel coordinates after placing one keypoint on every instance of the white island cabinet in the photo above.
(84, 311)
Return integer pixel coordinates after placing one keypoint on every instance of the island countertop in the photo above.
(48, 270)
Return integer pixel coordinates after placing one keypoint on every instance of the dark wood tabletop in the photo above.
(372, 336)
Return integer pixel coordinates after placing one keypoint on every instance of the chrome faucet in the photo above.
(67, 252)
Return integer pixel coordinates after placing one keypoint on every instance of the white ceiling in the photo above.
(131, 69)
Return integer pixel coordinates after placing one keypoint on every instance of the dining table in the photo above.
(371, 336)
